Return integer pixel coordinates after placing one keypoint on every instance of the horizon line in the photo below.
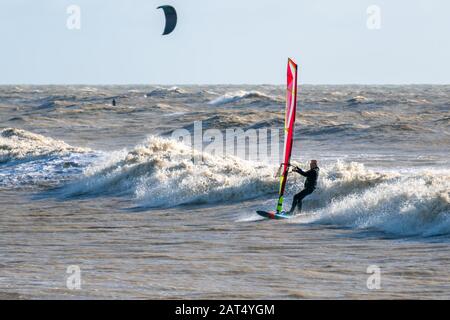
(224, 84)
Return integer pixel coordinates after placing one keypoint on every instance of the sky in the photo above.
(225, 42)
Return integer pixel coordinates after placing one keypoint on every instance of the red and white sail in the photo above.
(289, 123)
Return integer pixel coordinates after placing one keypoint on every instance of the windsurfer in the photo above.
(310, 184)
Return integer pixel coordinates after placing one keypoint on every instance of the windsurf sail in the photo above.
(289, 123)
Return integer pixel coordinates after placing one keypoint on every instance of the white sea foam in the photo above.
(407, 204)
(232, 97)
(160, 173)
(161, 92)
(18, 144)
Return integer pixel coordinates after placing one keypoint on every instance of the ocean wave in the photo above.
(45, 172)
(343, 129)
(409, 204)
(47, 105)
(161, 173)
(357, 100)
(163, 92)
(18, 144)
(89, 89)
(445, 120)
(239, 96)
(362, 131)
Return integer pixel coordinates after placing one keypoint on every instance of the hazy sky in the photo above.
(224, 41)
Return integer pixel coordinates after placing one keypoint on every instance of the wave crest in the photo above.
(163, 92)
(248, 96)
(408, 204)
(18, 144)
(161, 173)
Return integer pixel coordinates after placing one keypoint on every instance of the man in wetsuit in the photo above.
(310, 184)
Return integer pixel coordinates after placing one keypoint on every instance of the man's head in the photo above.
(313, 164)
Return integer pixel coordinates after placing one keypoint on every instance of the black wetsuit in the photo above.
(310, 185)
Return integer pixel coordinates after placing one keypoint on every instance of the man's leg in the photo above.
(294, 203)
(298, 198)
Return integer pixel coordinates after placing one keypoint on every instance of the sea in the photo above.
(100, 201)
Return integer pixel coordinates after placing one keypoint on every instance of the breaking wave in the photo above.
(163, 92)
(28, 160)
(357, 100)
(161, 173)
(415, 203)
(18, 144)
(247, 96)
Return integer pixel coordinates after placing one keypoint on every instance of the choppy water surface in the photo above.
(86, 183)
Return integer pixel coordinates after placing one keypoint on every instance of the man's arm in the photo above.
(300, 171)
(307, 174)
